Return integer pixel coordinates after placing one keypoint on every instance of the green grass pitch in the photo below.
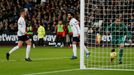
(56, 61)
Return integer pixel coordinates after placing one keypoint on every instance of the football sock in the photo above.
(85, 49)
(120, 55)
(13, 49)
(74, 50)
(28, 51)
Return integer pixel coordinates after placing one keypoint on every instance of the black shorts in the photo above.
(23, 38)
(76, 39)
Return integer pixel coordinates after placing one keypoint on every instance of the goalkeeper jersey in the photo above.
(119, 31)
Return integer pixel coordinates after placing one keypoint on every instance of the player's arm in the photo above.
(78, 28)
(108, 29)
(128, 33)
(43, 31)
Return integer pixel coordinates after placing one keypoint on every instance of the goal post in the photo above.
(95, 17)
(82, 10)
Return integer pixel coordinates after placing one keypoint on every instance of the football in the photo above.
(113, 55)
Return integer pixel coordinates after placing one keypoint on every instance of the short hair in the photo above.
(22, 10)
(71, 13)
(117, 17)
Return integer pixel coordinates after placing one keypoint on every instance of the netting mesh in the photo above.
(99, 15)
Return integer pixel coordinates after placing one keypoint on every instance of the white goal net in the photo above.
(107, 25)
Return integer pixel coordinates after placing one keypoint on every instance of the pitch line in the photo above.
(69, 70)
(50, 72)
(104, 69)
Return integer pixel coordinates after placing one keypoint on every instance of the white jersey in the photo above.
(21, 26)
(75, 27)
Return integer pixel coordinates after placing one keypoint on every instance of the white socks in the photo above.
(17, 47)
(85, 49)
(28, 51)
(74, 50)
(13, 49)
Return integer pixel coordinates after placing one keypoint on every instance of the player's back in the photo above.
(75, 26)
(21, 26)
(73, 21)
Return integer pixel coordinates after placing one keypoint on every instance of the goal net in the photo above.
(102, 28)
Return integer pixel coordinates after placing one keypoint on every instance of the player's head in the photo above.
(70, 15)
(60, 22)
(23, 12)
(118, 21)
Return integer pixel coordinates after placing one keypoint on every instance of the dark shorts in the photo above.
(23, 38)
(76, 39)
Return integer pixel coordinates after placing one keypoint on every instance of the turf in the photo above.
(50, 61)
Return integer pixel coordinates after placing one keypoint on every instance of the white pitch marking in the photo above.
(59, 71)
(105, 69)
(119, 65)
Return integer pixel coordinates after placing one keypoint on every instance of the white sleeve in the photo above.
(21, 26)
(77, 26)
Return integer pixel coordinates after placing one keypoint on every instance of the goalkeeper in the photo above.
(119, 32)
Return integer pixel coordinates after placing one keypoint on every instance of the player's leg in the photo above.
(14, 49)
(32, 41)
(121, 53)
(75, 40)
(87, 52)
(57, 40)
(70, 40)
(62, 41)
(42, 42)
(27, 58)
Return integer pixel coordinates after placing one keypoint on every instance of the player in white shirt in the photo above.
(76, 34)
(22, 37)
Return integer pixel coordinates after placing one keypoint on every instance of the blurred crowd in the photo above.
(107, 11)
(45, 12)
(49, 12)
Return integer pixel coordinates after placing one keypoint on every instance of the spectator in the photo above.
(60, 32)
(41, 35)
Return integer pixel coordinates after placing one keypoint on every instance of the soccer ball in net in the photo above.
(113, 55)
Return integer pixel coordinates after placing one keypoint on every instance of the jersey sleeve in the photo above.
(43, 30)
(78, 27)
(75, 23)
(108, 28)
